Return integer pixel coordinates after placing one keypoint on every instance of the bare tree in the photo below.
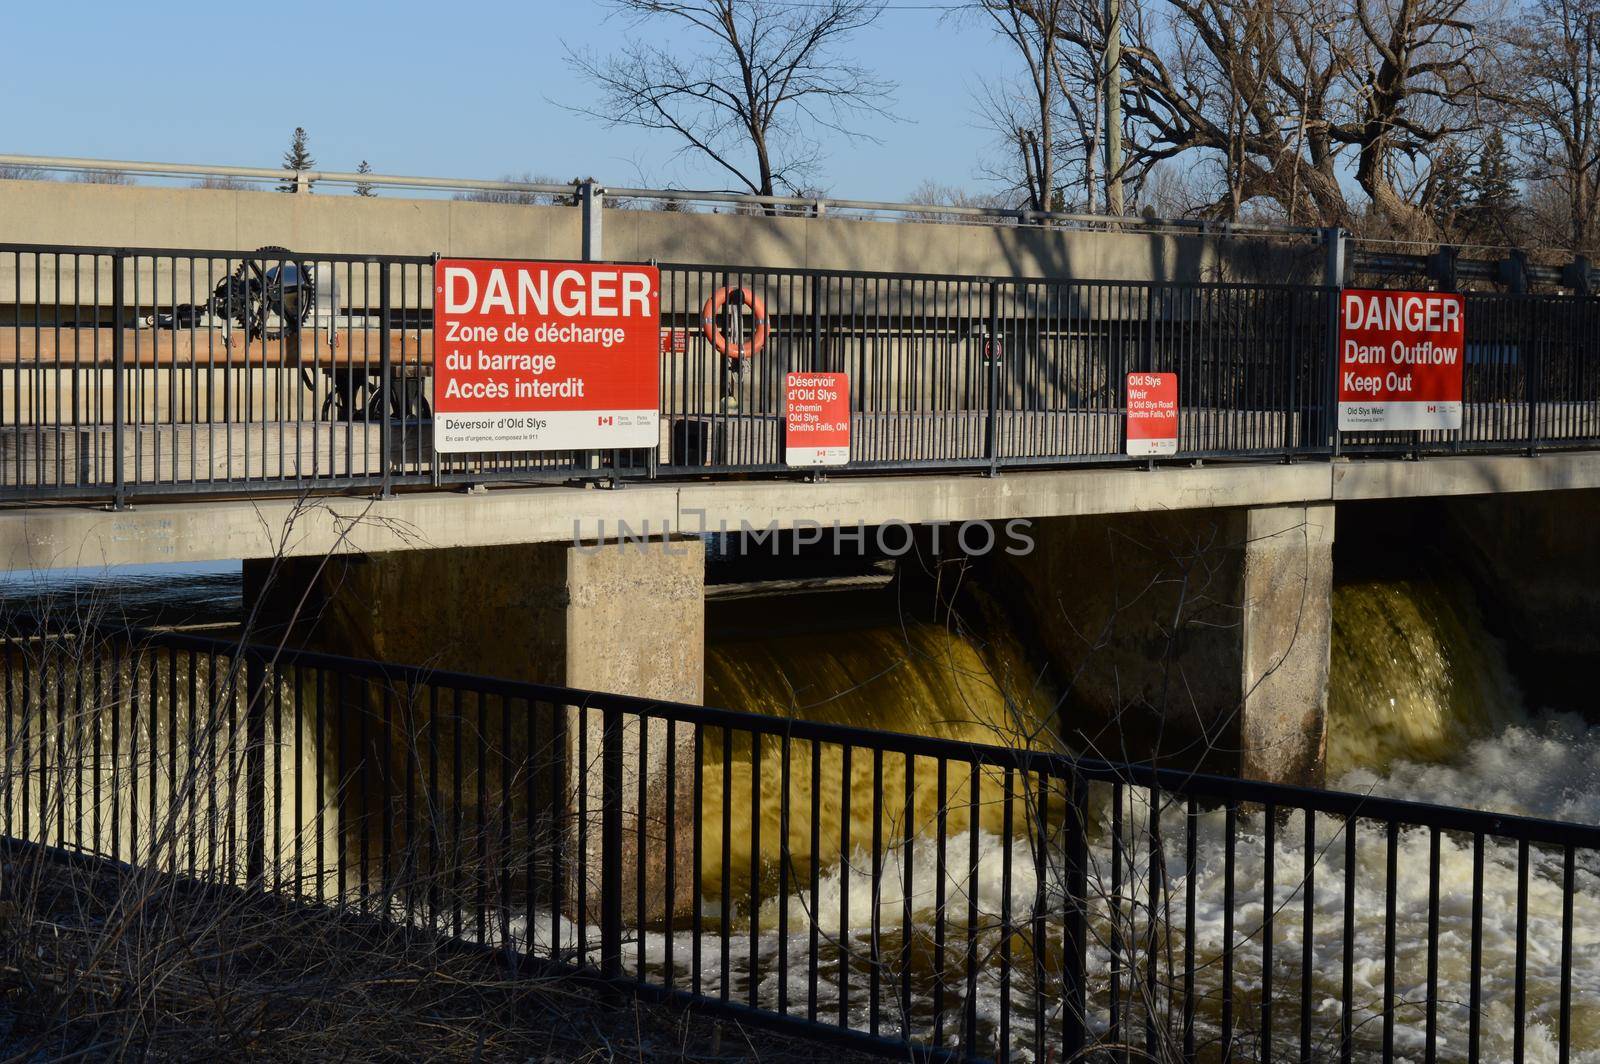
(513, 196)
(1282, 98)
(105, 177)
(1558, 60)
(765, 79)
(1232, 85)
(1425, 70)
(934, 195)
(1049, 122)
(1025, 115)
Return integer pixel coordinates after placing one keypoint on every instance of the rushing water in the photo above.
(1422, 706)
(137, 595)
(1413, 677)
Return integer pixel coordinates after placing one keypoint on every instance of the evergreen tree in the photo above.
(1446, 197)
(365, 188)
(1494, 204)
(297, 159)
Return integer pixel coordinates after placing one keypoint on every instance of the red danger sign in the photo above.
(535, 356)
(1400, 360)
(816, 416)
(1152, 414)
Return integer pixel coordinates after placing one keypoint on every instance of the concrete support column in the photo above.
(635, 624)
(625, 618)
(1285, 628)
(1195, 639)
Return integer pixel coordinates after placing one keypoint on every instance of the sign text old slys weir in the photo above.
(1152, 414)
(536, 356)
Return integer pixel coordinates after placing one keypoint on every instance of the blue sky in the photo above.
(469, 89)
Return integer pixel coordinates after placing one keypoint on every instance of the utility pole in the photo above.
(1113, 98)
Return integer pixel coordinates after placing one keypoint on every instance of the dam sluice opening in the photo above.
(900, 891)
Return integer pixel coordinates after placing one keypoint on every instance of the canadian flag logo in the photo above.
(605, 419)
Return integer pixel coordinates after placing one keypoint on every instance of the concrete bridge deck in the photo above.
(61, 536)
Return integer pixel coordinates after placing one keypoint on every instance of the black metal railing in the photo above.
(893, 890)
(135, 372)
(986, 373)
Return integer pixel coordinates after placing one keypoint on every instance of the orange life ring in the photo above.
(739, 297)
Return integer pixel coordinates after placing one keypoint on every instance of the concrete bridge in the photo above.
(309, 453)
(581, 585)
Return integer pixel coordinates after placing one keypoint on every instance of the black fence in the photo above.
(889, 890)
(137, 372)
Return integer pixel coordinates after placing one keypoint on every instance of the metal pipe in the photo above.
(259, 173)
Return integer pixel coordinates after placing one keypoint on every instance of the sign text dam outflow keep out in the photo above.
(1400, 360)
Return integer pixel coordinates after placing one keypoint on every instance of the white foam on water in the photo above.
(1548, 768)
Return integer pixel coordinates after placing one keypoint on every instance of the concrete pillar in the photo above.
(1284, 633)
(635, 624)
(626, 618)
(1192, 639)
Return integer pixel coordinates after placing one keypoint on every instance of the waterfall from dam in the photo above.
(1415, 680)
(1422, 706)
(916, 677)
(1414, 675)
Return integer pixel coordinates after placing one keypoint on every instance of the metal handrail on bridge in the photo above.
(1014, 898)
(573, 192)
